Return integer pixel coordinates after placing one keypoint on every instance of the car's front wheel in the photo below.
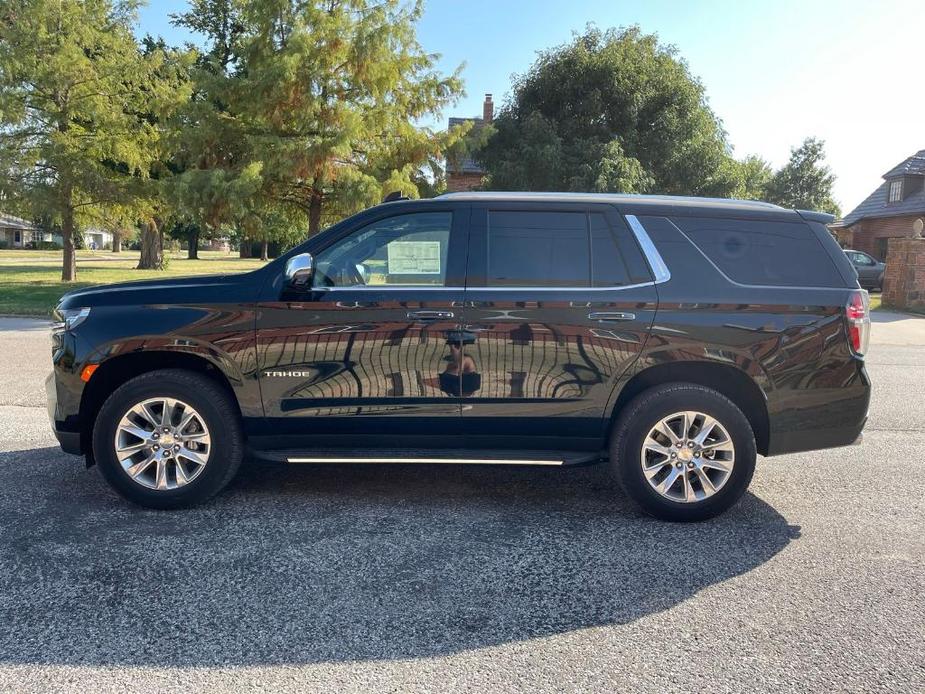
(683, 452)
(168, 438)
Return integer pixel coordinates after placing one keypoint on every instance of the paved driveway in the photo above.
(361, 578)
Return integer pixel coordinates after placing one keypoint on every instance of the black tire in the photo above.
(209, 400)
(643, 413)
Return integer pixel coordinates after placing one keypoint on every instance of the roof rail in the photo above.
(394, 196)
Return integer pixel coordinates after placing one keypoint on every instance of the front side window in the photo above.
(405, 250)
(896, 191)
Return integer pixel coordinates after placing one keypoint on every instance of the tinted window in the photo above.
(615, 258)
(763, 253)
(538, 249)
(409, 249)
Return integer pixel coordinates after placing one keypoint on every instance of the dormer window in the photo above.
(896, 191)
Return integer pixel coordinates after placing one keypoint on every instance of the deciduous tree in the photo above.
(805, 182)
(612, 110)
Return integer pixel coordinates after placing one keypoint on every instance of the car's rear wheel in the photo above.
(168, 438)
(683, 452)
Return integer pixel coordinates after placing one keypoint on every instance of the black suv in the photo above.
(678, 337)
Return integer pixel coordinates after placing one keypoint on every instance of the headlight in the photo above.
(69, 318)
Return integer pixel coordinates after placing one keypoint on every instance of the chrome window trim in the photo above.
(367, 288)
(656, 262)
(387, 287)
(562, 289)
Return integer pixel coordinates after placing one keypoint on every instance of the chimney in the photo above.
(488, 109)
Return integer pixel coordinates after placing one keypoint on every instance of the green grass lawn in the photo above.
(30, 281)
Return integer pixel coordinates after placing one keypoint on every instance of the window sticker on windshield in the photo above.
(414, 258)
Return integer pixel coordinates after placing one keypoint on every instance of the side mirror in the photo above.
(299, 270)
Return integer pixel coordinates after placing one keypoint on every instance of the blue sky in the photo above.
(848, 71)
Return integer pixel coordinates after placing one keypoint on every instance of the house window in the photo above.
(896, 191)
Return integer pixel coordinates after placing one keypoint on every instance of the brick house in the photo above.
(464, 174)
(895, 210)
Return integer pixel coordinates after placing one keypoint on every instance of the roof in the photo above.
(913, 166)
(8, 221)
(617, 198)
(876, 205)
(465, 164)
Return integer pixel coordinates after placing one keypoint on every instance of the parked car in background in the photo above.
(677, 337)
(870, 270)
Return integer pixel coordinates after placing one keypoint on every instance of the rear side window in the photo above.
(538, 249)
(615, 258)
(560, 249)
(782, 254)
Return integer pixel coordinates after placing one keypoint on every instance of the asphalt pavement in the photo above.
(482, 579)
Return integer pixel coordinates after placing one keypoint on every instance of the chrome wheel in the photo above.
(162, 443)
(687, 457)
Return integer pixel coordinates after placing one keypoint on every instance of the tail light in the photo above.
(857, 313)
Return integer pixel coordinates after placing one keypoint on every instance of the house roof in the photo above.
(876, 204)
(914, 165)
(466, 164)
(8, 221)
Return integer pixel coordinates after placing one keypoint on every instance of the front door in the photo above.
(559, 303)
(369, 353)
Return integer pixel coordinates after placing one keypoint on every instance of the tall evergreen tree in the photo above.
(322, 97)
(72, 85)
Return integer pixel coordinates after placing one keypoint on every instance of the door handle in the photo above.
(605, 316)
(430, 315)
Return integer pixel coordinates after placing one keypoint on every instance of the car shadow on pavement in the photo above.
(342, 563)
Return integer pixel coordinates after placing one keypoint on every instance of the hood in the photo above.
(172, 291)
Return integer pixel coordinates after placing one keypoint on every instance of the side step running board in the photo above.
(432, 457)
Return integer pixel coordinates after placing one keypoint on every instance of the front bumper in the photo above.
(68, 436)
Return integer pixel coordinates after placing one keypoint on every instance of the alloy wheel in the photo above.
(687, 456)
(162, 443)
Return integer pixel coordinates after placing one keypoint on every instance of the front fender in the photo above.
(221, 335)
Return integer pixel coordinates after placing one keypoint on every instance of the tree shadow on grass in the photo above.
(342, 563)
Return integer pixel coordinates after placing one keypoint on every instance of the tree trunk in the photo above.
(152, 253)
(244, 249)
(263, 250)
(193, 251)
(69, 266)
(314, 213)
(117, 241)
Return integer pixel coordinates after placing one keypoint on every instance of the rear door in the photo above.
(559, 303)
(366, 350)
